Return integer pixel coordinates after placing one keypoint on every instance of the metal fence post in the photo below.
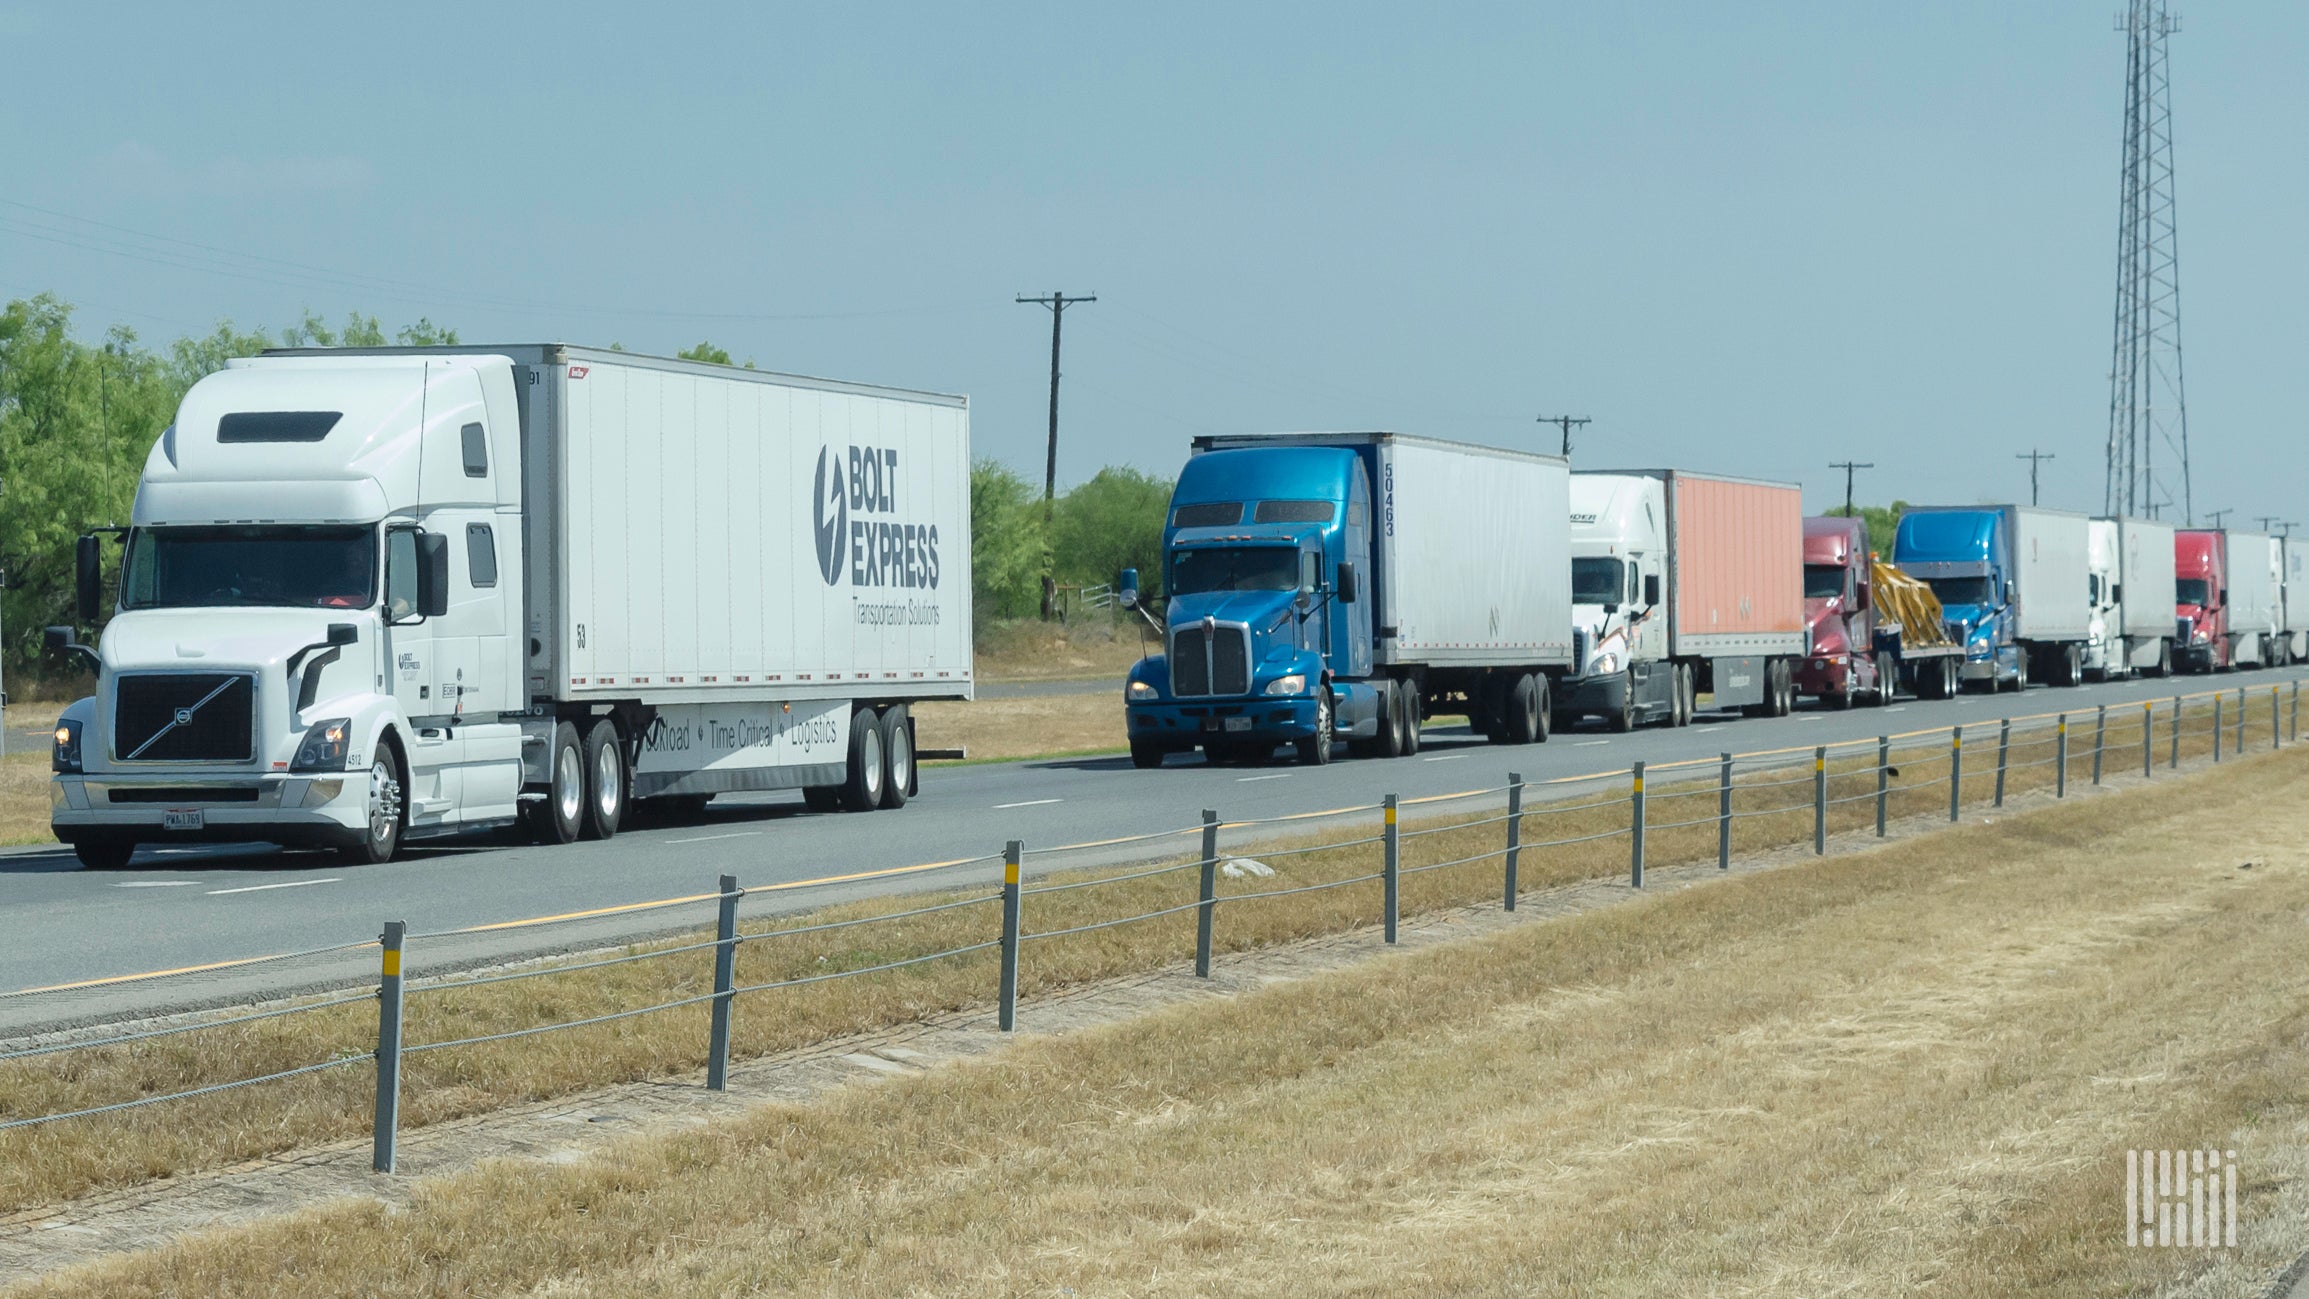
(1955, 769)
(2216, 726)
(386, 1119)
(2148, 738)
(1820, 800)
(2003, 748)
(1636, 829)
(1387, 872)
(725, 986)
(2276, 736)
(1883, 778)
(2293, 723)
(1006, 1005)
(2175, 765)
(2100, 733)
(1724, 816)
(2060, 758)
(2240, 721)
(1514, 832)
(1208, 899)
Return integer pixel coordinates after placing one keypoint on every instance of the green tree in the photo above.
(1882, 522)
(705, 352)
(1109, 523)
(1006, 542)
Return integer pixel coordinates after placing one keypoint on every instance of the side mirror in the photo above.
(1651, 590)
(1610, 607)
(56, 639)
(88, 574)
(2224, 599)
(1126, 588)
(432, 574)
(1346, 581)
(2008, 590)
(344, 633)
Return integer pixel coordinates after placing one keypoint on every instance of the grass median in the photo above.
(1916, 1067)
(1583, 841)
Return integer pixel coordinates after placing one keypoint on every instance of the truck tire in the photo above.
(1785, 674)
(607, 782)
(1390, 719)
(1523, 711)
(862, 791)
(1543, 706)
(104, 854)
(1315, 750)
(1408, 692)
(2072, 666)
(1887, 677)
(2019, 674)
(1624, 720)
(897, 756)
(560, 815)
(2164, 664)
(388, 811)
(1687, 694)
(1145, 756)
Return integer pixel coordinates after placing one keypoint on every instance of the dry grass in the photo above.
(1025, 728)
(1095, 647)
(24, 797)
(1912, 1068)
(50, 1163)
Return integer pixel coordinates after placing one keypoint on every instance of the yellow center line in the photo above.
(162, 974)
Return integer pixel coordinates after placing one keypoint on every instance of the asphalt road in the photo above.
(185, 907)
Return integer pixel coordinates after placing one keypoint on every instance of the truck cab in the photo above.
(1965, 557)
(1267, 641)
(2200, 601)
(1619, 566)
(2105, 652)
(1842, 663)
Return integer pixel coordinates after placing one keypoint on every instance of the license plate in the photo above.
(1238, 723)
(181, 818)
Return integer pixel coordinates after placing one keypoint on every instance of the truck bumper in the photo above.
(304, 811)
(1604, 695)
(1822, 678)
(1981, 670)
(1179, 726)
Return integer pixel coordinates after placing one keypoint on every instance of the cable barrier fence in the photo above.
(426, 1039)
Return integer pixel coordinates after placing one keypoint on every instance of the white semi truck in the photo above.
(2129, 579)
(375, 595)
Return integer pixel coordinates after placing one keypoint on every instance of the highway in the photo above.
(184, 907)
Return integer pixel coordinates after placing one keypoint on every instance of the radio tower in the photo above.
(2148, 447)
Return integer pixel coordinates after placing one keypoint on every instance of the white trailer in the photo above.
(2131, 589)
(2051, 563)
(2256, 599)
(1470, 553)
(380, 594)
(2294, 645)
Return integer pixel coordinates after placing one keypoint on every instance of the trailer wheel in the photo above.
(560, 815)
(1523, 711)
(605, 781)
(862, 791)
(1543, 707)
(897, 756)
(1951, 678)
(1407, 690)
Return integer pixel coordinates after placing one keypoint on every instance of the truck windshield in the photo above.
(1963, 590)
(1235, 568)
(1596, 581)
(2190, 590)
(1823, 581)
(279, 567)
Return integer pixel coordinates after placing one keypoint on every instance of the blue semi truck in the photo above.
(2015, 587)
(1344, 586)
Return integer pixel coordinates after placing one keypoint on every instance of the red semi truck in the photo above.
(2200, 601)
(1866, 637)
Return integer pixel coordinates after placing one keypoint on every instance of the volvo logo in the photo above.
(184, 717)
(831, 510)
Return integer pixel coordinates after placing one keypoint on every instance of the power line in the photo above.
(1566, 423)
(1058, 303)
(2034, 457)
(1850, 467)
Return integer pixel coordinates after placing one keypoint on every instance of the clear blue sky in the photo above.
(1753, 238)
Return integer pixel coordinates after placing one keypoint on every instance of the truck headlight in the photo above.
(1294, 684)
(1603, 664)
(1138, 691)
(2199, 637)
(325, 746)
(65, 757)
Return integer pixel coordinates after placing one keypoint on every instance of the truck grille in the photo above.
(184, 717)
(1214, 663)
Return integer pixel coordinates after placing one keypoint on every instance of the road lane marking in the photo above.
(1448, 757)
(156, 884)
(1032, 802)
(1589, 744)
(1245, 780)
(286, 884)
(1901, 709)
(1811, 718)
(709, 838)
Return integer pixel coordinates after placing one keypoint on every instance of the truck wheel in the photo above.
(1951, 678)
(1542, 707)
(2164, 667)
(862, 792)
(1408, 692)
(1523, 712)
(2019, 673)
(605, 781)
(2072, 666)
(1887, 677)
(560, 815)
(1784, 672)
(1390, 719)
(1144, 755)
(104, 854)
(381, 831)
(1687, 693)
(1315, 750)
(1624, 719)
(897, 756)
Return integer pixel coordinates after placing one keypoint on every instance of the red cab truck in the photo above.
(2200, 600)
(1866, 640)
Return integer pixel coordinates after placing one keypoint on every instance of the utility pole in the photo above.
(1567, 423)
(1058, 303)
(1849, 467)
(2217, 515)
(2034, 457)
(2270, 523)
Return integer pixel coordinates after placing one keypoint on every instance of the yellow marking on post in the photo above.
(1819, 764)
(1390, 815)
(1639, 784)
(392, 962)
